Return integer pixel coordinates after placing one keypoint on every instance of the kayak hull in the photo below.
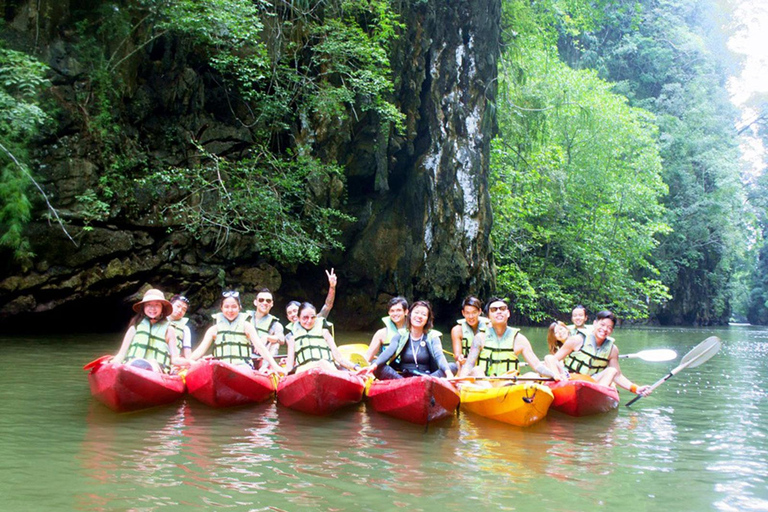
(419, 400)
(125, 388)
(319, 392)
(220, 384)
(583, 397)
(520, 404)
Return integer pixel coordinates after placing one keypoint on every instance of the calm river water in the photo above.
(698, 443)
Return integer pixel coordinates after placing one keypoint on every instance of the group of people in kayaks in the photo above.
(484, 345)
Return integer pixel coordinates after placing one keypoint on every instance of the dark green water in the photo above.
(698, 443)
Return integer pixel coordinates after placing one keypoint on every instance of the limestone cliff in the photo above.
(420, 197)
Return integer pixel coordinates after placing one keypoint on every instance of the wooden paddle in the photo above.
(96, 363)
(653, 355)
(698, 355)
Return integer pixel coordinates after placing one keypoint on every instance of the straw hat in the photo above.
(151, 295)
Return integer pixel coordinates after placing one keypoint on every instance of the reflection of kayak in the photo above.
(416, 399)
(219, 384)
(520, 404)
(355, 353)
(127, 388)
(319, 392)
(582, 396)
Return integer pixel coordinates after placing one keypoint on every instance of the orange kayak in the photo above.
(582, 396)
(520, 404)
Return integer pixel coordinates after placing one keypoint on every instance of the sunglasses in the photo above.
(232, 293)
(182, 299)
(262, 299)
(494, 309)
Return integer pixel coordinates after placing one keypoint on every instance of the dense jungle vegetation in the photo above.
(615, 174)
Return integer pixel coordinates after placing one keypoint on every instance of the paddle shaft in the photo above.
(652, 355)
(697, 359)
(537, 379)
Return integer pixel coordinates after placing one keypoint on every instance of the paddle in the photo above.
(97, 362)
(654, 355)
(698, 355)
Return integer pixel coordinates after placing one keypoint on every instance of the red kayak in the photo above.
(416, 399)
(220, 384)
(127, 388)
(319, 392)
(582, 396)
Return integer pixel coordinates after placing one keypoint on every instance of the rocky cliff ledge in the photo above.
(420, 197)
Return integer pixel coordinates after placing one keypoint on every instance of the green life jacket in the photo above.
(405, 336)
(231, 344)
(149, 343)
(468, 335)
(392, 331)
(590, 358)
(264, 324)
(498, 355)
(573, 331)
(310, 345)
(179, 325)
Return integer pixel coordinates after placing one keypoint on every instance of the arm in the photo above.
(346, 363)
(474, 352)
(204, 345)
(172, 341)
(571, 345)
(442, 362)
(332, 279)
(259, 348)
(186, 343)
(621, 380)
(275, 335)
(290, 360)
(388, 354)
(127, 339)
(524, 348)
(376, 342)
(456, 336)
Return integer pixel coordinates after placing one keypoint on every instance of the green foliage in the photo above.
(288, 69)
(576, 184)
(259, 197)
(21, 79)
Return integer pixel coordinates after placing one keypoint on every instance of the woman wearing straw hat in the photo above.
(150, 341)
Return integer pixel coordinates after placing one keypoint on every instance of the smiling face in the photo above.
(498, 312)
(263, 302)
(397, 314)
(179, 310)
(307, 318)
(471, 314)
(579, 317)
(561, 332)
(602, 329)
(292, 313)
(230, 307)
(153, 309)
(419, 316)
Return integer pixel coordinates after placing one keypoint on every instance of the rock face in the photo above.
(420, 197)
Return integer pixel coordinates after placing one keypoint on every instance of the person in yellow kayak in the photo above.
(595, 354)
(579, 318)
(292, 308)
(393, 323)
(312, 345)
(234, 337)
(465, 330)
(418, 351)
(268, 327)
(150, 341)
(495, 352)
(179, 322)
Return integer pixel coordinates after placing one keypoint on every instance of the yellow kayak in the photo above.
(520, 404)
(355, 353)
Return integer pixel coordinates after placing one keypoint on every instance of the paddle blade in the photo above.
(657, 355)
(702, 352)
(96, 362)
